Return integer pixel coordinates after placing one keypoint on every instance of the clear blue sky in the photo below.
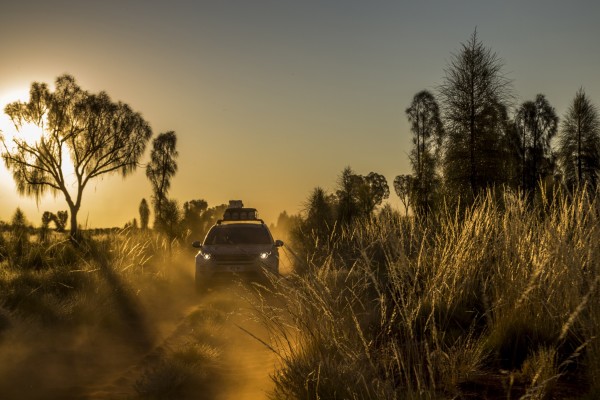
(272, 98)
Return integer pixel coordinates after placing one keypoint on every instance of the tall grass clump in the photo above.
(501, 300)
(106, 281)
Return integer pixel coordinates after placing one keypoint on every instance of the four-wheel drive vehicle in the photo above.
(240, 243)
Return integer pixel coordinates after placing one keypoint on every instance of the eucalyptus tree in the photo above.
(537, 124)
(474, 95)
(403, 187)
(99, 136)
(428, 132)
(579, 142)
(159, 171)
(358, 195)
(373, 190)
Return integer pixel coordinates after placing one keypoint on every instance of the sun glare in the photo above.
(29, 132)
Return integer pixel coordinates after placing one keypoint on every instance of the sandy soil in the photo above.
(85, 364)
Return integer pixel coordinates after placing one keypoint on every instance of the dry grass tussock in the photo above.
(80, 314)
(501, 302)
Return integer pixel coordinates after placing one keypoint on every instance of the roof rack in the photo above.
(237, 212)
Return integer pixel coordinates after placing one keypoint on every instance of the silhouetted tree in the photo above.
(160, 170)
(44, 228)
(19, 236)
(319, 214)
(314, 231)
(536, 124)
(473, 96)
(347, 203)
(144, 211)
(579, 142)
(372, 190)
(426, 126)
(61, 220)
(284, 225)
(99, 136)
(403, 187)
(208, 218)
(284, 222)
(192, 215)
(170, 223)
(359, 195)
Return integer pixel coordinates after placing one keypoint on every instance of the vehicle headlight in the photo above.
(206, 256)
(264, 255)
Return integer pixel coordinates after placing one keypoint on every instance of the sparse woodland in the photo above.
(484, 286)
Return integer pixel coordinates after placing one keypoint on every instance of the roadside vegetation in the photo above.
(485, 286)
(98, 304)
(500, 302)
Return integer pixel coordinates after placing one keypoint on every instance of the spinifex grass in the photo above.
(501, 301)
(101, 300)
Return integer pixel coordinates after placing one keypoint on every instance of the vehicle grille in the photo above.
(228, 259)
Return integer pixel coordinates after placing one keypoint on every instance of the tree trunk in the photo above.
(74, 234)
(472, 149)
(579, 166)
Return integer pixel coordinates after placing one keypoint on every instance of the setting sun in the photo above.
(9, 96)
(29, 132)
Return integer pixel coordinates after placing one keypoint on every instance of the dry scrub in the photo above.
(501, 302)
(72, 318)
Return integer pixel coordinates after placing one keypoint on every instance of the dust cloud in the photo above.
(109, 356)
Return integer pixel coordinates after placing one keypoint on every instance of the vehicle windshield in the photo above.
(238, 234)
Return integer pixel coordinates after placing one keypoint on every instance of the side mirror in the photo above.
(278, 243)
(196, 244)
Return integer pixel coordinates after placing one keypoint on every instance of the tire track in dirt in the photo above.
(225, 319)
(248, 362)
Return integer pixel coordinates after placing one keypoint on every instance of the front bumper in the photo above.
(235, 264)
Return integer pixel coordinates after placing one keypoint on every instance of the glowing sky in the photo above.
(272, 98)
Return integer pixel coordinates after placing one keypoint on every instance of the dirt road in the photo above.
(223, 319)
(212, 332)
